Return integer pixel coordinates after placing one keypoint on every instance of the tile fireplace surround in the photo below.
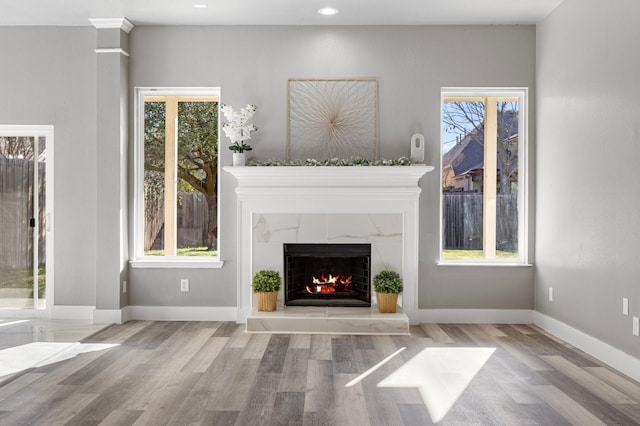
(351, 204)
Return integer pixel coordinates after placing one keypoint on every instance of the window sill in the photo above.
(176, 263)
(483, 263)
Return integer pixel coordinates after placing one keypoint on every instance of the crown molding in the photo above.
(105, 23)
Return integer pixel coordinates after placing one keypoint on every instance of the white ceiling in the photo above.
(276, 12)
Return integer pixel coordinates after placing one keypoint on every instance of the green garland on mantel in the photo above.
(402, 161)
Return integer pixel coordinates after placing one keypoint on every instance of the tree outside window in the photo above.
(180, 182)
(481, 189)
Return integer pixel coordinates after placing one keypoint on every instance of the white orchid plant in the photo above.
(236, 128)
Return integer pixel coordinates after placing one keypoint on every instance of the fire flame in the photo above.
(320, 289)
(327, 285)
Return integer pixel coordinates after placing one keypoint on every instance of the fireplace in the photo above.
(319, 204)
(327, 274)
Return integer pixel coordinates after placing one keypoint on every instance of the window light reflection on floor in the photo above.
(374, 368)
(37, 354)
(440, 374)
(6, 324)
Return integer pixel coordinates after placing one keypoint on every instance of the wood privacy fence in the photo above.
(193, 216)
(16, 210)
(462, 221)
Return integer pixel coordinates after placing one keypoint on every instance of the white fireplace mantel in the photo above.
(325, 176)
(328, 190)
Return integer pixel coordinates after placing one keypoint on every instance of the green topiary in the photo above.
(266, 281)
(387, 282)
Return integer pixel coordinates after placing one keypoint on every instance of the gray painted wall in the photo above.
(588, 148)
(252, 65)
(48, 77)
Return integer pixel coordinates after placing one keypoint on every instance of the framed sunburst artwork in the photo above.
(332, 118)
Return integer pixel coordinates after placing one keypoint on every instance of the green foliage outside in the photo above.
(185, 251)
(475, 254)
(266, 281)
(197, 155)
(23, 278)
(387, 282)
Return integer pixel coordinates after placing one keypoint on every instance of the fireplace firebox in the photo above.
(327, 274)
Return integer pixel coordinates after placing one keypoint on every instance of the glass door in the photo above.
(23, 221)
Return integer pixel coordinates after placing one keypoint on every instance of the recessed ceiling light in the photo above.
(200, 5)
(328, 11)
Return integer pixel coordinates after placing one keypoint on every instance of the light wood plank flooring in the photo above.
(189, 373)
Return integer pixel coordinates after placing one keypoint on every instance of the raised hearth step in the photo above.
(328, 320)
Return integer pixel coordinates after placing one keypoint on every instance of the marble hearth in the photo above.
(375, 205)
(329, 319)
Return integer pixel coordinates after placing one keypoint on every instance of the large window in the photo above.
(483, 175)
(177, 174)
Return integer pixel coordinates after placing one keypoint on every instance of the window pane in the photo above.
(154, 166)
(16, 234)
(507, 175)
(197, 201)
(187, 181)
(480, 138)
(462, 179)
(42, 221)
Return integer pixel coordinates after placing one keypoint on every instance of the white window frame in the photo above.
(139, 259)
(522, 93)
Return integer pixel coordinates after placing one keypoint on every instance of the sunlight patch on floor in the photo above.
(6, 324)
(374, 368)
(37, 354)
(441, 375)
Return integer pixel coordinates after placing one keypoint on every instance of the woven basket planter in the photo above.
(267, 301)
(387, 302)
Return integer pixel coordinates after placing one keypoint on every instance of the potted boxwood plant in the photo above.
(387, 284)
(266, 283)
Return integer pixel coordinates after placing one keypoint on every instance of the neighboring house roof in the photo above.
(468, 154)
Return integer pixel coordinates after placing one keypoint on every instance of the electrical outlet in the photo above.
(625, 306)
(124, 286)
(636, 326)
(550, 294)
(184, 285)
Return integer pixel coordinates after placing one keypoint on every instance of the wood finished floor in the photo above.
(185, 373)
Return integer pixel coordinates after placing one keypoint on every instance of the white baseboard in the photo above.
(110, 316)
(472, 316)
(150, 313)
(72, 312)
(606, 353)
(182, 313)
